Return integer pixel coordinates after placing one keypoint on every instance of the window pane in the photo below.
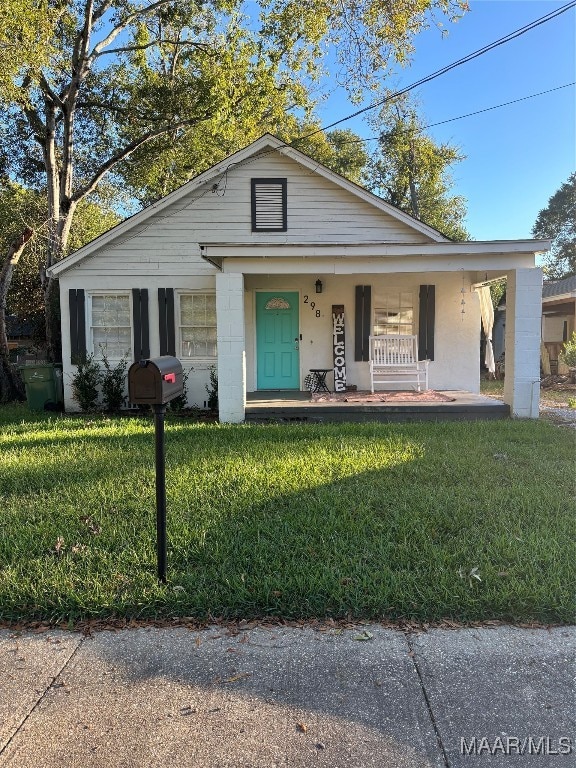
(186, 307)
(394, 315)
(198, 325)
(211, 310)
(198, 310)
(110, 310)
(406, 316)
(111, 326)
(113, 342)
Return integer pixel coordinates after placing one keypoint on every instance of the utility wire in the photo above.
(469, 114)
(464, 60)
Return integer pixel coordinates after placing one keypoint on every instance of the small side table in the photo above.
(319, 379)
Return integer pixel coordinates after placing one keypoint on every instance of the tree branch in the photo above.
(46, 87)
(99, 47)
(144, 46)
(101, 10)
(126, 151)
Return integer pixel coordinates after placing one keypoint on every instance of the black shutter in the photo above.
(141, 324)
(426, 320)
(77, 304)
(362, 325)
(166, 320)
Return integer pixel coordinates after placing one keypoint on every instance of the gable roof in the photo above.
(266, 143)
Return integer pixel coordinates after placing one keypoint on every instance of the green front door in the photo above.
(277, 335)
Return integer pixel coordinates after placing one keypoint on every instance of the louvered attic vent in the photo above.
(269, 205)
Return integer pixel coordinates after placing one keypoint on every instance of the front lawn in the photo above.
(468, 521)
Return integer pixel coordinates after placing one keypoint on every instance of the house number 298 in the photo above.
(312, 305)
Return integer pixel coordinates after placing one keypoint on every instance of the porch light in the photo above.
(318, 286)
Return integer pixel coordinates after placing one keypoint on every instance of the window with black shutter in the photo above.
(269, 204)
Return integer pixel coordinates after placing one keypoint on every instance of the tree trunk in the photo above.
(10, 384)
(53, 329)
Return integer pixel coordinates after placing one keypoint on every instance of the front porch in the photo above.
(292, 405)
(274, 328)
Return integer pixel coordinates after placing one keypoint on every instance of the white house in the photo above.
(243, 266)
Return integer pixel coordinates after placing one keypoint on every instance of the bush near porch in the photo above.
(466, 521)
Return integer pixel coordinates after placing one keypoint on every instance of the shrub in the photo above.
(113, 383)
(212, 390)
(181, 401)
(85, 383)
(568, 353)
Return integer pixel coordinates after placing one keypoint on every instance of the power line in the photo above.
(498, 106)
(464, 60)
(470, 114)
(422, 81)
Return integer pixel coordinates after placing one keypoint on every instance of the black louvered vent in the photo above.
(269, 205)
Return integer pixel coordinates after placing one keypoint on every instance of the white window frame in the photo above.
(96, 351)
(179, 326)
(382, 306)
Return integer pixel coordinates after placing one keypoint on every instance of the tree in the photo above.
(558, 222)
(10, 388)
(412, 171)
(131, 91)
(341, 150)
(23, 233)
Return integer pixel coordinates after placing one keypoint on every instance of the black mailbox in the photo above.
(155, 381)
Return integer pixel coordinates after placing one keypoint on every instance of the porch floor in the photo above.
(291, 405)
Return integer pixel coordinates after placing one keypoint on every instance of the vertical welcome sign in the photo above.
(338, 343)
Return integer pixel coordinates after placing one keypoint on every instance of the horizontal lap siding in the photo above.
(318, 211)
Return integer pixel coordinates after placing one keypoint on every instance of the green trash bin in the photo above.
(43, 383)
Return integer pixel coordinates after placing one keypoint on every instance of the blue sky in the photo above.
(517, 156)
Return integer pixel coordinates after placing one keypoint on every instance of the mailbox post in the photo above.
(156, 382)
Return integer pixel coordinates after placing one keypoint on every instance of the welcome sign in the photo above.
(338, 343)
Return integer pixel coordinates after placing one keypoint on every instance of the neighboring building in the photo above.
(244, 266)
(557, 325)
(19, 332)
(558, 318)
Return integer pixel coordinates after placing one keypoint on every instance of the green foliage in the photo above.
(497, 290)
(113, 381)
(341, 150)
(412, 172)
(558, 222)
(85, 383)
(180, 402)
(26, 29)
(166, 90)
(20, 208)
(212, 389)
(568, 353)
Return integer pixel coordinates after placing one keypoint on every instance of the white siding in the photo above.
(318, 211)
(456, 363)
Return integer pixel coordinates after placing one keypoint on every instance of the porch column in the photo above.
(523, 318)
(231, 346)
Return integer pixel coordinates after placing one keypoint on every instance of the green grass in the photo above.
(492, 387)
(371, 521)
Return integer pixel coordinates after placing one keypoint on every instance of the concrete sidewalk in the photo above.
(268, 697)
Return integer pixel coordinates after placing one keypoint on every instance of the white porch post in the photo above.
(231, 346)
(523, 317)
